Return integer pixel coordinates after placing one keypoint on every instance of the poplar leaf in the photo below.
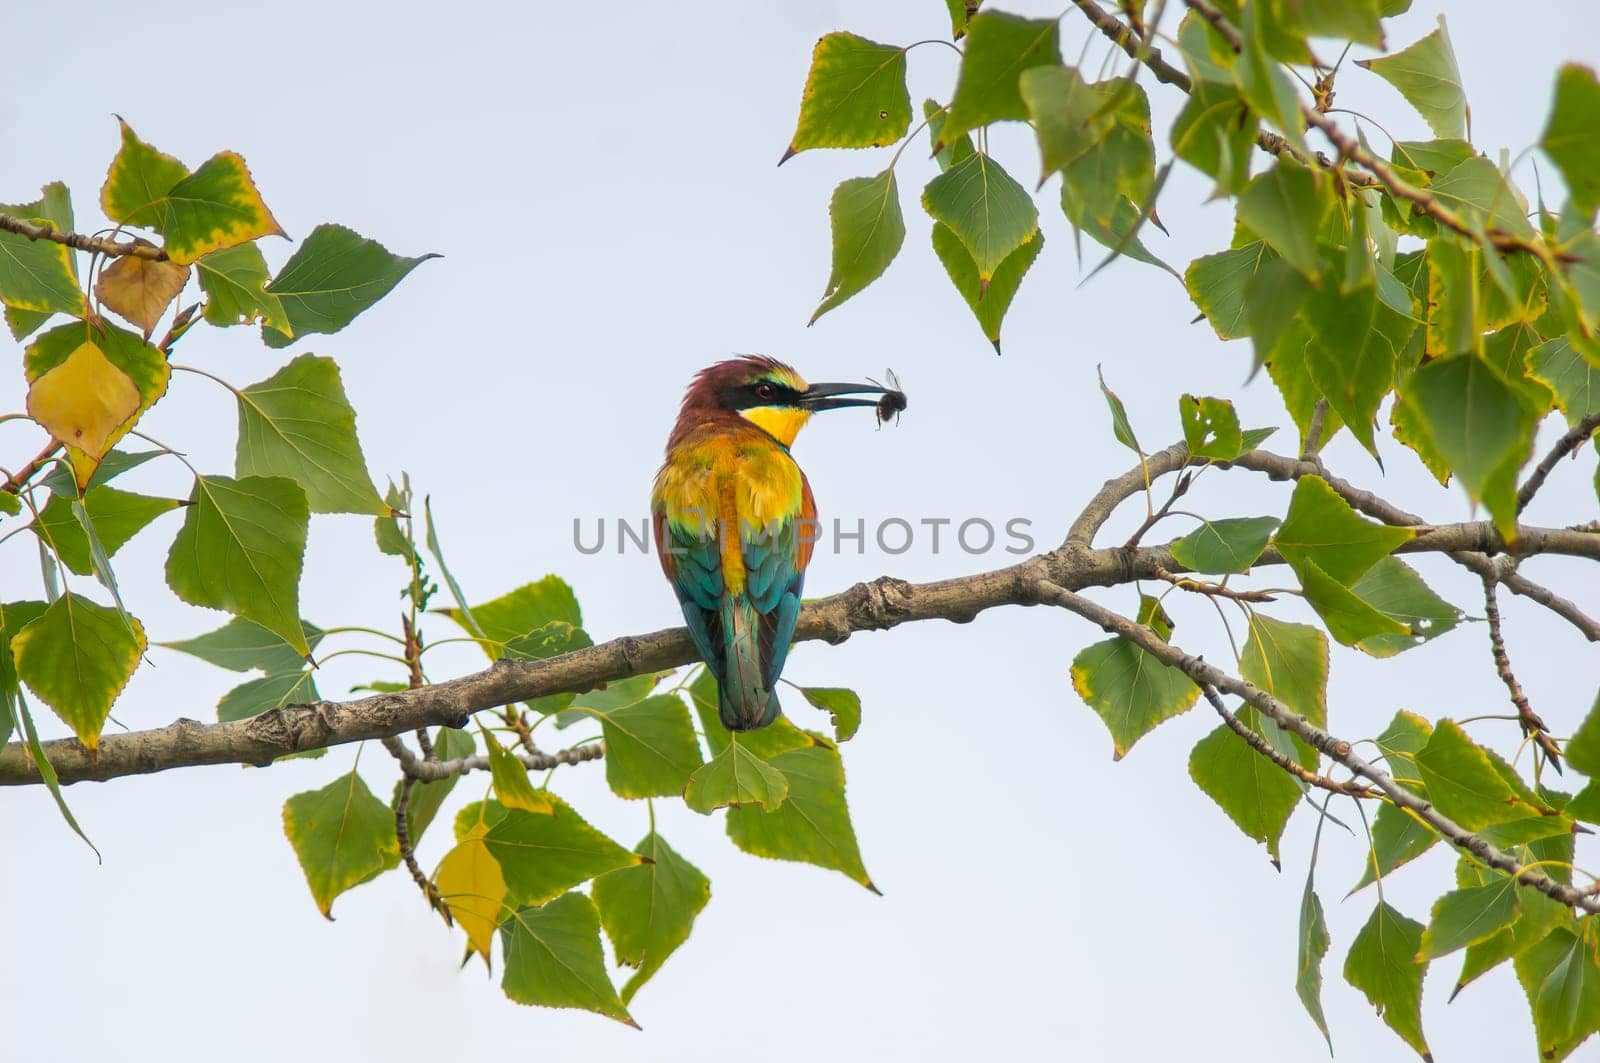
(1571, 137)
(84, 400)
(543, 855)
(1382, 964)
(140, 290)
(651, 749)
(1224, 546)
(1427, 76)
(990, 302)
(77, 656)
(999, 48)
(868, 232)
(1130, 690)
(334, 275)
(240, 549)
(342, 835)
(39, 277)
(136, 187)
(298, 423)
(117, 516)
(553, 958)
(985, 207)
(648, 910)
(468, 878)
(215, 207)
(511, 783)
(234, 280)
(735, 776)
(855, 96)
(813, 823)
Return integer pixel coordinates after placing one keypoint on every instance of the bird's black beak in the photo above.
(819, 397)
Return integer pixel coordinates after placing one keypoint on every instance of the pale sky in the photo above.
(600, 181)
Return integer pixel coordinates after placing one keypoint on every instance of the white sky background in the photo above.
(600, 180)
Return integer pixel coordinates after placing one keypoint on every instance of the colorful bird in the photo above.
(735, 522)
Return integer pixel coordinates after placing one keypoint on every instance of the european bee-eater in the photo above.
(735, 522)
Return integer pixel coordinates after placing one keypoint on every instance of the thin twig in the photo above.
(18, 480)
(1205, 674)
(1258, 742)
(95, 244)
(1215, 590)
(1314, 440)
(1532, 726)
(1575, 437)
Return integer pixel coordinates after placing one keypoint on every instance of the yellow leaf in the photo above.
(84, 400)
(215, 207)
(471, 883)
(139, 289)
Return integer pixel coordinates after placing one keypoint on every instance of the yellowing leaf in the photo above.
(855, 96)
(511, 783)
(84, 400)
(139, 289)
(135, 192)
(215, 207)
(77, 656)
(471, 883)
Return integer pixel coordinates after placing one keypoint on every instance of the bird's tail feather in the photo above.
(744, 701)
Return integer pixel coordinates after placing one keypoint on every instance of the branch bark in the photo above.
(96, 244)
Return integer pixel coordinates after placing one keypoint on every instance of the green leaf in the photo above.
(41, 276)
(988, 303)
(1256, 794)
(240, 549)
(1218, 285)
(1468, 916)
(1130, 690)
(235, 282)
(544, 855)
(77, 656)
(649, 910)
(213, 208)
(1285, 207)
(1118, 233)
(14, 616)
(136, 188)
(1069, 115)
(961, 12)
(1476, 190)
(1262, 80)
(952, 152)
(117, 516)
(1479, 424)
(1398, 837)
(1463, 783)
(735, 776)
(553, 958)
(334, 275)
(115, 463)
(274, 691)
(47, 772)
(651, 749)
(1583, 748)
(1573, 381)
(868, 232)
(427, 798)
(299, 424)
(1427, 76)
(1120, 167)
(843, 706)
(813, 823)
(855, 96)
(1382, 964)
(1322, 528)
(1121, 427)
(1394, 589)
(1224, 546)
(999, 48)
(1348, 20)
(1349, 618)
(1355, 341)
(1313, 946)
(240, 645)
(1215, 133)
(1561, 978)
(984, 206)
(519, 612)
(342, 835)
(1571, 136)
(1539, 915)
(1210, 427)
(509, 777)
(1290, 662)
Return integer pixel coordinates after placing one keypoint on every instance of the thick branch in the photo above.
(97, 244)
(879, 605)
(1206, 674)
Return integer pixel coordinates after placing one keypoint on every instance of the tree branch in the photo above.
(1259, 743)
(97, 244)
(1575, 437)
(1532, 725)
(879, 605)
(1205, 674)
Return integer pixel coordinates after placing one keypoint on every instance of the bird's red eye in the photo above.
(766, 391)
